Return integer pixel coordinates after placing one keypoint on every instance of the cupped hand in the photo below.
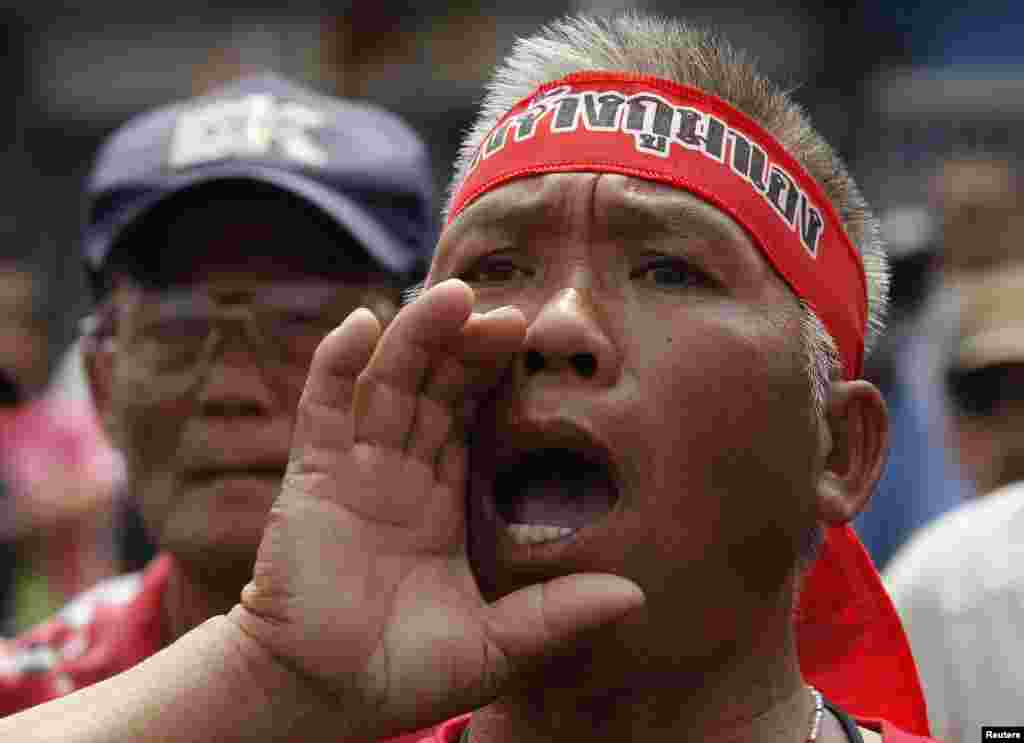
(362, 586)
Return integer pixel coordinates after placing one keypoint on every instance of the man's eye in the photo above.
(669, 272)
(494, 271)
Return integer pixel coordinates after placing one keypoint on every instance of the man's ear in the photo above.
(98, 360)
(858, 435)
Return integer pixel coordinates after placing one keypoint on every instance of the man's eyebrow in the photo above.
(677, 217)
(691, 227)
(524, 206)
(487, 220)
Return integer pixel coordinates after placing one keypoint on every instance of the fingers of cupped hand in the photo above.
(409, 388)
(434, 358)
(330, 386)
(463, 373)
(326, 407)
(385, 396)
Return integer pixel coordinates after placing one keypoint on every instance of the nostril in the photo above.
(584, 363)
(534, 362)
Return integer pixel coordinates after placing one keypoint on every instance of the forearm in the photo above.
(215, 683)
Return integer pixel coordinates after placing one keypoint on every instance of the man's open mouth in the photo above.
(549, 494)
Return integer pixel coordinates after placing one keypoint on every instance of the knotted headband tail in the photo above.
(851, 643)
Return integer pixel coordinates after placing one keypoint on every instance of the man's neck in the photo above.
(756, 697)
(191, 598)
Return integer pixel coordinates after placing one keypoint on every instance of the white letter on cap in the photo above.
(255, 126)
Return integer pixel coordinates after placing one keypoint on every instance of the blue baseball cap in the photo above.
(360, 165)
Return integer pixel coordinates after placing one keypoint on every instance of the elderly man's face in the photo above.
(659, 423)
(206, 372)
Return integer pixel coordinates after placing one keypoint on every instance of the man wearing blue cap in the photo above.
(225, 236)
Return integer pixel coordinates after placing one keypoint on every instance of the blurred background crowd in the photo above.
(923, 101)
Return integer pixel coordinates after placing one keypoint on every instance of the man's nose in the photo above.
(567, 337)
(234, 384)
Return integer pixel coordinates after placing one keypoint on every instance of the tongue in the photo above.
(560, 499)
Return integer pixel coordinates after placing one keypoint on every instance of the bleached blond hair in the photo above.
(688, 55)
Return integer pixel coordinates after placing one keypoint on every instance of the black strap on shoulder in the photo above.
(848, 725)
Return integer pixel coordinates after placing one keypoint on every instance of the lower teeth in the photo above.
(536, 533)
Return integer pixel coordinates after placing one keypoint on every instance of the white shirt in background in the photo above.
(958, 586)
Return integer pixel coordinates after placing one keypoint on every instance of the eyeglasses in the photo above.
(170, 338)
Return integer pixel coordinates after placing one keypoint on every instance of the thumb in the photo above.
(540, 620)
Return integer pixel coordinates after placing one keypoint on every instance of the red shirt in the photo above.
(104, 631)
(100, 633)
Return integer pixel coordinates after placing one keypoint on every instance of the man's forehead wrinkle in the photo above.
(523, 200)
(666, 208)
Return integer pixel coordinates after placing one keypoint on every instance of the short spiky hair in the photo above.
(676, 51)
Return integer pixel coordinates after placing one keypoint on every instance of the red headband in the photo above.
(658, 130)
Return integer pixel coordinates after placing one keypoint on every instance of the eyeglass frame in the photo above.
(105, 326)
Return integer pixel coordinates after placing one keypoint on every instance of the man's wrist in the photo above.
(282, 701)
(231, 687)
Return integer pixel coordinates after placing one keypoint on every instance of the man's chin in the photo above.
(218, 525)
(227, 506)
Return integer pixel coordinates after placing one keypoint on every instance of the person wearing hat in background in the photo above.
(985, 378)
(225, 236)
(959, 583)
(594, 483)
